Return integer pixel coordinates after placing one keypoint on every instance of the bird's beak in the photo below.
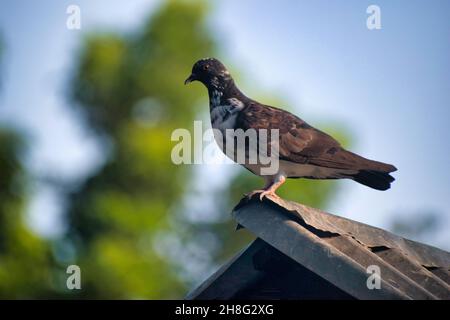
(190, 79)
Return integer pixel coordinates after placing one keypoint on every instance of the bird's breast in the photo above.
(224, 115)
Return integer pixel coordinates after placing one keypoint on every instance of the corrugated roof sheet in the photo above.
(339, 250)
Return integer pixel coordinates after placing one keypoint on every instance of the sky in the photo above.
(388, 88)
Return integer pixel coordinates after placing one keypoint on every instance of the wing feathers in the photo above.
(300, 143)
(343, 159)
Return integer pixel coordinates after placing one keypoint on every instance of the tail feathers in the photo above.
(379, 180)
(377, 166)
(371, 165)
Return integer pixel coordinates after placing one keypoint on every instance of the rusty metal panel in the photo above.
(340, 250)
(318, 246)
(230, 278)
(263, 272)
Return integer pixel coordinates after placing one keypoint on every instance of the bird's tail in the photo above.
(373, 174)
(368, 172)
(380, 180)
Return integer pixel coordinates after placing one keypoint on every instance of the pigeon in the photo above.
(302, 150)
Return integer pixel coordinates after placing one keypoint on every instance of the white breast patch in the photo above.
(224, 116)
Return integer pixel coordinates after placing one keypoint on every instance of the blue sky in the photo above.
(389, 88)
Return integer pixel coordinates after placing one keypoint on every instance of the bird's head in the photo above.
(211, 72)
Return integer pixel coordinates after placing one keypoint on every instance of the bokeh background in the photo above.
(86, 118)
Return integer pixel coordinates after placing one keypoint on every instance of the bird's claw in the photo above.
(267, 193)
(262, 194)
(254, 192)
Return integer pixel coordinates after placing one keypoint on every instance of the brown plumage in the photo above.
(303, 151)
(303, 144)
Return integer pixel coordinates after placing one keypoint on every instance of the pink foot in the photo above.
(266, 193)
(254, 192)
(262, 193)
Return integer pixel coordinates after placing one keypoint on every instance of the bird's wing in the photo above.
(300, 142)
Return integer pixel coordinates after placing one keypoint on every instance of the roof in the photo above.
(331, 252)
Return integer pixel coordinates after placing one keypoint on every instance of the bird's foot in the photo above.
(262, 193)
(253, 193)
(266, 193)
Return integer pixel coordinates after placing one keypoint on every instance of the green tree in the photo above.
(130, 90)
(25, 259)
(131, 226)
(132, 239)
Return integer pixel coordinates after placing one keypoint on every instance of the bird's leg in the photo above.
(264, 189)
(269, 189)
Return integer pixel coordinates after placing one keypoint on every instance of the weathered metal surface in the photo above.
(263, 272)
(340, 250)
(230, 278)
(329, 252)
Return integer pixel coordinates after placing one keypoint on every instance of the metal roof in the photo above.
(334, 248)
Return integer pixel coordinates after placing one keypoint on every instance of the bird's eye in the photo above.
(205, 67)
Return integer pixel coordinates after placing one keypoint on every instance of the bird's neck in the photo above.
(219, 95)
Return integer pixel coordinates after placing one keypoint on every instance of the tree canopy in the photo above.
(129, 224)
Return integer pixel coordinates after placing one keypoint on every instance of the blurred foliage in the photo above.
(130, 89)
(139, 227)
(25, 259)
(420, 225)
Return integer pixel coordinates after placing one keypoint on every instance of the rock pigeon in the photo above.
(303, 151)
